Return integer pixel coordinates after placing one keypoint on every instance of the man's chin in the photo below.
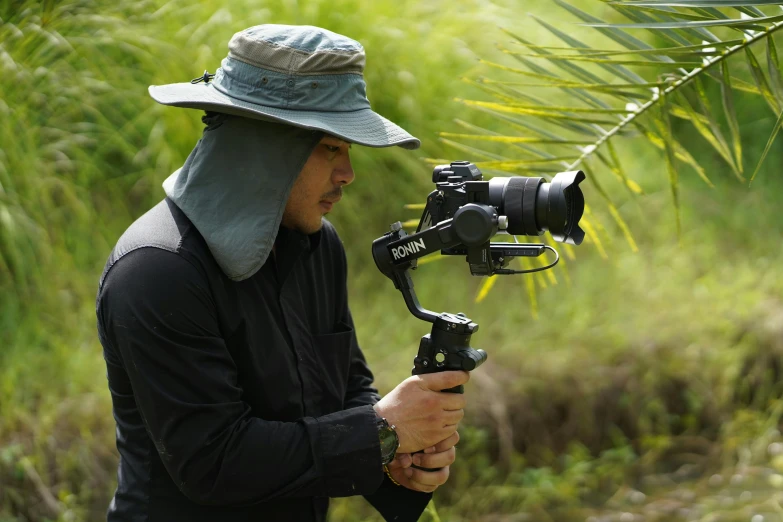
(304, 226)
(310, 228)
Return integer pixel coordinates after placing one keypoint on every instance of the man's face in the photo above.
(319, 185)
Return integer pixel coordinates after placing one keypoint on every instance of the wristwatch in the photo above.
(389, 440)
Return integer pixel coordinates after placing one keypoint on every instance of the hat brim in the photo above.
(363, 127)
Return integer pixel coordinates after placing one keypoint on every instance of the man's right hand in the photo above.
(422, 414)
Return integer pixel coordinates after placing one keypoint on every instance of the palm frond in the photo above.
(606, 92)
(691, 60)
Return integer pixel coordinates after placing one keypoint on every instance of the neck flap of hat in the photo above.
(234, 186)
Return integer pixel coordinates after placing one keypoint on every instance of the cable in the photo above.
(506, 271)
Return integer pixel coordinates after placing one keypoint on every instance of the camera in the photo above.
(460, 217)
(464, 212)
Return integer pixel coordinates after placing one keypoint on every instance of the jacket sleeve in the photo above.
(393, 502)
(156, 312)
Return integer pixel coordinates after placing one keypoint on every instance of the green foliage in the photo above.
(630, 88)
(654, 364)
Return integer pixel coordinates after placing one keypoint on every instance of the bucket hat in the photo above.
(303, 76)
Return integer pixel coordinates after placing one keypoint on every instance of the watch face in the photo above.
(389, 441)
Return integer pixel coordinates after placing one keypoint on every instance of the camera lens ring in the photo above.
(529, 207)
(512, 205)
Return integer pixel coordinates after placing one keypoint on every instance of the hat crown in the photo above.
(298, 50)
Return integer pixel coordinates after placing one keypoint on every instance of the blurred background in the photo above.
(640, 380)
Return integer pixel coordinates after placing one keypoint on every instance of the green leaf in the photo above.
(761, 80)
(577, 71)
(773, 67)
(667, 13)
(517, 124)
(513, 139)
(593, 59)
(614, 165)
(613, 211)
(769, 146)
(605, 88)
(664, 125)
(698, 3)
(680, 152)
(618, 35)
(673, 51)
(617, 70)
(541, 113)
(739, 23)
(731, 116)
(473, 152)
(677, 37)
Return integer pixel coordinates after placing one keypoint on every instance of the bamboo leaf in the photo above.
(731, 116)
(769, 146)
(761, 80)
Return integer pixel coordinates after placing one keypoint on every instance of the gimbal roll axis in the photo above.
(461, 216)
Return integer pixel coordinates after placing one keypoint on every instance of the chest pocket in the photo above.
(332, 354)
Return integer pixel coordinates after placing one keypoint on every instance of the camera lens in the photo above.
(534, 206)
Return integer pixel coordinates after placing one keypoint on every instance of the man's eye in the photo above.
(332, 148)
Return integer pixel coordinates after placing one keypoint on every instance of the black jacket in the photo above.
(237, 401)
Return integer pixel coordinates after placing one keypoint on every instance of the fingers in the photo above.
(453, 417)
(445, 444)
(435, 460)
(401, 461)
(444, 380)
(452, 401)
(427, 481)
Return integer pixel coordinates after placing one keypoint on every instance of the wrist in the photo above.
(387, 436)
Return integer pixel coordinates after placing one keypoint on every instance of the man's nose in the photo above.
(343, 174)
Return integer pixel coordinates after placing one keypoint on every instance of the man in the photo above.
(238, 387)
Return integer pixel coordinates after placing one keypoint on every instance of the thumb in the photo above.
(444, 380)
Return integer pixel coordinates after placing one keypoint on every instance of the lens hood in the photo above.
(565, 205)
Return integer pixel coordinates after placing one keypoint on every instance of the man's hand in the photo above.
(422, 414)
(442, 455)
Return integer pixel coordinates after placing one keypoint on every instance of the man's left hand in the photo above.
(442, 455)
